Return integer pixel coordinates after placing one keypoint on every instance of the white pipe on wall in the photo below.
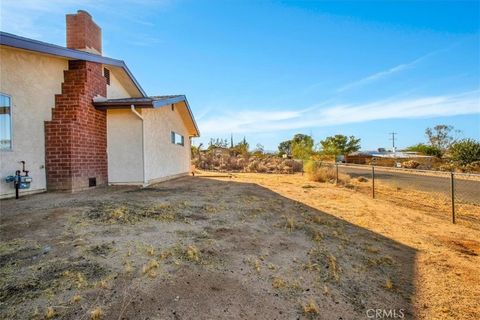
(145, 182)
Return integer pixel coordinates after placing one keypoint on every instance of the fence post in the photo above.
(452, 186)
(336, 173)
(373, 182)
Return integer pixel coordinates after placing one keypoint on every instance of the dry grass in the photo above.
(96, 314)
(278, 283)
(150, 268)
(128, 266)
(77, 278)
(389, 284)
(50, 313)
(432, 203)
(256, 264)
(247, 235)
(322, 174)
(311, 308)
(150, 250)
(316, 172)
(334, 269)
(192, 253)
(289, 223)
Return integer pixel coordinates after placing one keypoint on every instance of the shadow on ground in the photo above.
(221, 249)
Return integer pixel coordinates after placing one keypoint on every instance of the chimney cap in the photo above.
(84, 12)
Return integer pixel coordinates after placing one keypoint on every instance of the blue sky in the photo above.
(269, 69)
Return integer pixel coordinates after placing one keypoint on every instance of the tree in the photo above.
(465, 151)
(340, 145)
(217, 143)
(302, 146)
(302, 143)
(241, 147)
(285, 147)
(259, 148)
(425, 149)
(439, 136)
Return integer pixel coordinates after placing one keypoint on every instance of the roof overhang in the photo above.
(155, 102)
(11, 40)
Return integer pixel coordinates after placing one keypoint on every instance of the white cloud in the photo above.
(249, 121)
(39, 19)
(245, 121)
(384, 74)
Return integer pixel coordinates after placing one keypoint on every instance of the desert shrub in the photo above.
(362, 179)
(262, 168)
(426, 149)
(473, 167)
(465, 151)
(252, 166)
(410, 164)
(321, 174)
(296, 166)
(447, 167)
(318, 173)
(310, 166)
(241, 162)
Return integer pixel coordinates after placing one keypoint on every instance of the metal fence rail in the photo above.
(446, 195)
(443, 194)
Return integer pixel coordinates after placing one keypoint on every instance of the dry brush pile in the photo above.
(225, 161)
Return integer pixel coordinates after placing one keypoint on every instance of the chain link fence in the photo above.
(446, 195)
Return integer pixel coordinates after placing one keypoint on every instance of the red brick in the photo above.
(83, 33)
(76, 137)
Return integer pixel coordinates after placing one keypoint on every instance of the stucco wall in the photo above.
(164, 159)
(115, 90)
(124, 147)
(32, 80)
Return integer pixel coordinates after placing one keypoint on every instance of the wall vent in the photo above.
(92, 182)
(106, 74)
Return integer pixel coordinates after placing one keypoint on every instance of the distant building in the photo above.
(364, 157)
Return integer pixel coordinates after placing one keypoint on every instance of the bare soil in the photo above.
(248, 246)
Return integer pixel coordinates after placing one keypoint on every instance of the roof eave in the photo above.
(111, 105)
(197, 134)
(121, 105)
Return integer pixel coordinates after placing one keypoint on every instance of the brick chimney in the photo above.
(76, 135)
(83, 33)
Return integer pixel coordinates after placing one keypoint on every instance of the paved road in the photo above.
(465, 190)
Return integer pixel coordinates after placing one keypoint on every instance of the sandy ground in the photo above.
(248, 247)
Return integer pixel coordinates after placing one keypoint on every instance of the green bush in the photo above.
(426, 150)
(310, 166)
(465, 151)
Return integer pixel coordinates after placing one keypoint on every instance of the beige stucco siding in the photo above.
(115, 90)
(124, 147)
(164, 159)
(32, 80)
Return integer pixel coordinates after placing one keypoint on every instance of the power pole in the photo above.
(393, 140)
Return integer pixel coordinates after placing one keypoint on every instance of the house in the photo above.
(79, 119)
(387, 158)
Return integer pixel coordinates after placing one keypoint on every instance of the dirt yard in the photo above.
(253, 246)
